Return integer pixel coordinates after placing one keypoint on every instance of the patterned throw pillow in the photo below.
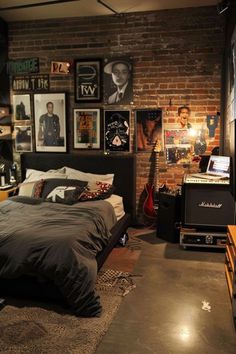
(97, 190)
(31, 189)
(65, 194)
(38, 189)
(51, 184)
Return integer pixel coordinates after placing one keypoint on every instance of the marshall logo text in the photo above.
(210, 205)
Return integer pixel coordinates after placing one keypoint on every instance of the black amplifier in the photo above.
(195, 238)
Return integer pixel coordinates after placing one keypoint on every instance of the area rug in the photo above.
(34, 327)
(124, 258)
(38, 328)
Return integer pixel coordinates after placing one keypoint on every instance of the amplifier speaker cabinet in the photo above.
(169, 216)
(207, 206)
(198, 238)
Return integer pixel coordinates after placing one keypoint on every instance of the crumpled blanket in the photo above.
(58, 243)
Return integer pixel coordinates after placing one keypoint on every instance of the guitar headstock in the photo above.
(157, 147)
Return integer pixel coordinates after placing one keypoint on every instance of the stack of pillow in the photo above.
(66, 185)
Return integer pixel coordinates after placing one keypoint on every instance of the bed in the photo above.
(70, 274)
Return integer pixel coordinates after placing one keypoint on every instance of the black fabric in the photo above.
(26, 286)
(59, 243)
(26, 200)
(52, 183)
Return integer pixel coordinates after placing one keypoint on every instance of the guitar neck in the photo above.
(156, 172)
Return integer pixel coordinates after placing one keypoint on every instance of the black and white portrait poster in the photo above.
(117, 130)
(118, 81)
(23, 138)
(50, 122)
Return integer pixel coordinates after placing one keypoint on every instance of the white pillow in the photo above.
(26, 189)
(117, 202)
(90, 177)
(36, 175)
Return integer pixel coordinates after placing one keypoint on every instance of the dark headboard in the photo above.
(123, 166)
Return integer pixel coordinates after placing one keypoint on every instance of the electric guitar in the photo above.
(153, 189)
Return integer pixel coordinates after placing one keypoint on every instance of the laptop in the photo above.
(218, 167)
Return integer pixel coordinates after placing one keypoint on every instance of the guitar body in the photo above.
(148, 206)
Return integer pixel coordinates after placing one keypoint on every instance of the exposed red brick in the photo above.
(176, 56)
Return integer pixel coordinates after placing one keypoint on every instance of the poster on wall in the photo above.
(178, 146)
(148, 123)
(50, 122)
(200, 139)
(212, 123)
(117, 130)
(28, 83)
(21, 107)
(118, 81)
(23, 138)
(86, 128)
(234, 73)
(231, 80)
(88, 80)
(177, 137)
(178, 154)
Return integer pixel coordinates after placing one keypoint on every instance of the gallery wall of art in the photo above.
(171, 61)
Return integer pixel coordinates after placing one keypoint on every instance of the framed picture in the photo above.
(118, 81)
(21, 107)
(181, 154)
(86, 128)
(178, 144)
(88, 80)
(117, 130)
(177, 137)
(148, 124)
(50, 122)
(23, 138)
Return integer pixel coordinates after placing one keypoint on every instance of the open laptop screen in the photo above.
(219, 165)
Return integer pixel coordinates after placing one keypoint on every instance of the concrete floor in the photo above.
(163, 315)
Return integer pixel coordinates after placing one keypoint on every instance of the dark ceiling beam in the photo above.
(108, 7)
(51, 2)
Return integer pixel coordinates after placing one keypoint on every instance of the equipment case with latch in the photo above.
(199, 238)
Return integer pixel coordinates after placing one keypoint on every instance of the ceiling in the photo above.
(45, 9)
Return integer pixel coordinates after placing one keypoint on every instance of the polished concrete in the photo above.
(164, 314)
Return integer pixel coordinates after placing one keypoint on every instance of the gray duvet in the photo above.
(57, 242)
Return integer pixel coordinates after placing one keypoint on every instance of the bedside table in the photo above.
(6, 193)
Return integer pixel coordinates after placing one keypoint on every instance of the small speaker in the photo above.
(168, 217)
(207, 206)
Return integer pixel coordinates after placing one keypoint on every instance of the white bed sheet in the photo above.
(117, 202)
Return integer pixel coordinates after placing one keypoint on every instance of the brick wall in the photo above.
(177, 58)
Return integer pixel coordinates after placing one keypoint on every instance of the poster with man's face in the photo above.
(50, 122)
(117, 130)
(118, 81)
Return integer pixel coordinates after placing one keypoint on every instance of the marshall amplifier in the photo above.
(194, 238)
(207, 206)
